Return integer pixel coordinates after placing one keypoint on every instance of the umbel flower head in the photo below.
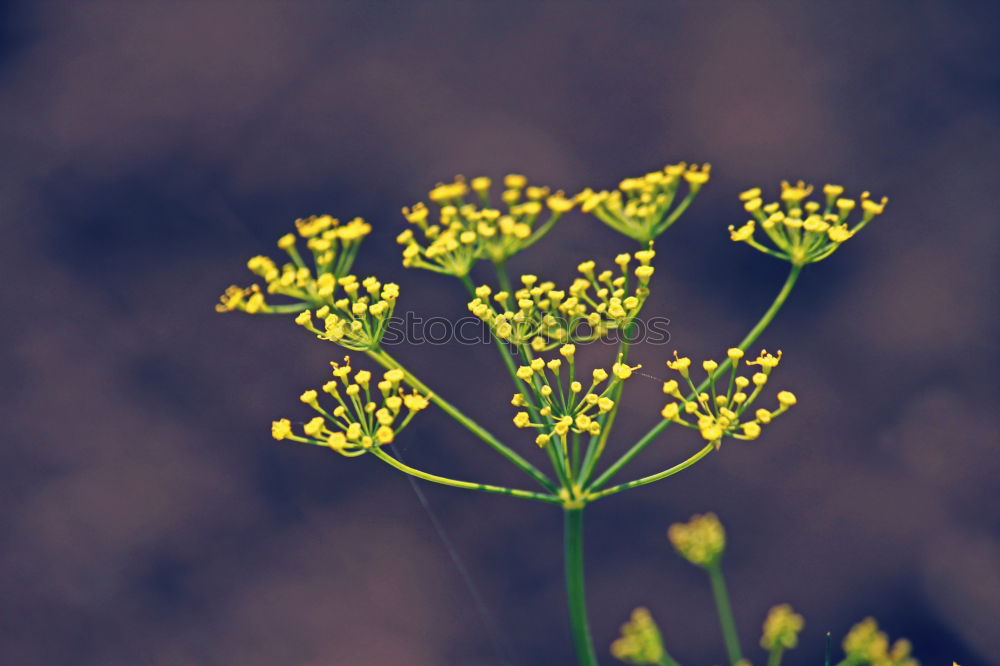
(570, 405)
(866, 644)
(781, 628)
(332, 247)
(469, 227)
(358, 315)
(358, 422)
(544, 317)
(640, 641)
(641, 207)
(701, 541)
(804, 231)
(717, 414)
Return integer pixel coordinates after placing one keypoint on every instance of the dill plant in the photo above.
(536, 326)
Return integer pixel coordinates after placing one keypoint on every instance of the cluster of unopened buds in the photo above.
(362, 418)
(804, 231)
(543, 317)
(718, 412)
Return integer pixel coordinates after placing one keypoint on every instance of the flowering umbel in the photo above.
(570, 417)
(358, 422)
(566, 406)
(718, 413)
(359, 315)
(544, 317)
(468, 230)
(805, 231)
(641, 207)
(332, 246)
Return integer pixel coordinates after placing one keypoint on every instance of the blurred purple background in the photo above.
(148, 149)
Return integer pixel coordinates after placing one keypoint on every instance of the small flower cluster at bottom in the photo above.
(701, 541)
(640, 642)
(866, 644)
(357, 423)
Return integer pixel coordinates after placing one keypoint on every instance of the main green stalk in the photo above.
(575, 593)
(726, 621)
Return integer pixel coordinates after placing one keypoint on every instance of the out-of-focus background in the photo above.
(148, 149)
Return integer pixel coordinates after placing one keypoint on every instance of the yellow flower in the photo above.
(357, 423)
(281, 429)
(800, 230)
(359, 315)
(468, 231)
(332, 247)
(573, 410)
(719, 413)
(545, 317)
(643, 208)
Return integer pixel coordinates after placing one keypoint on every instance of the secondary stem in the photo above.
(726, 620)
(748, 340)
(455, 483)
(383, 359)
(575, 594)
(652, 478)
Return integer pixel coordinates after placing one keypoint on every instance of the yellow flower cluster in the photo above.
(866, 644)
(640, 641)
(357, 423)
(781, 628)
(700, 541)
(805, 231)
(641, 207)
(466, 231)
(566, 406)
(358, 316)
(716, 415)
(544, 317)
(332, 246)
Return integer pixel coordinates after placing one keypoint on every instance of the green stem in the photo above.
(748, 340)
(386, 361)
(774, 657)
(652, 478)
(725, 610)
(667, 660)
(502, 277)
(455, 483)
(575, 594)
